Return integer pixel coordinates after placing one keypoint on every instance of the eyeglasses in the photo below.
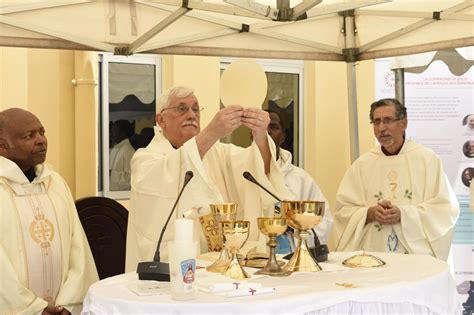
(183, 109)
(387, 121)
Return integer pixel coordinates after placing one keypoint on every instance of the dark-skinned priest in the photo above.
(46, 266)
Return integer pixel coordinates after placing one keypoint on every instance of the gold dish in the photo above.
(363, 261)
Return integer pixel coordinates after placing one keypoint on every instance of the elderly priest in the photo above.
(46, 265)
(396, 197)
(178, 146)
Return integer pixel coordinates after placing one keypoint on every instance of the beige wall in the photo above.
(13, 77)
(327, 142)
(41, 81)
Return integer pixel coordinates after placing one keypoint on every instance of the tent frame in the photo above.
(270, 17)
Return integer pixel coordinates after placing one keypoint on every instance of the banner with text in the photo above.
(440, 110)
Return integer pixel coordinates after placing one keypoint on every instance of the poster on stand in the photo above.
(440, 108)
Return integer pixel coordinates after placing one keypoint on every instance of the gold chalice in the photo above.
(272, 227)
(222, 212)
(302, 216)
(235, 234)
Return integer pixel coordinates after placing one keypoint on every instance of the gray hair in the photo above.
(400, 109)
(177, 91)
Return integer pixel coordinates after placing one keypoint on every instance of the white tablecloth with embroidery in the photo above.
(407, 284)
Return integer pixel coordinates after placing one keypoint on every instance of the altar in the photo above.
(406, 284)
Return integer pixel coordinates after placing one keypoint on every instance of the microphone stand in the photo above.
(156, 270)
(319, 251)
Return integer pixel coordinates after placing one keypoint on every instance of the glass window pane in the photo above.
(131, 111)
(129, 116)
(283, 98)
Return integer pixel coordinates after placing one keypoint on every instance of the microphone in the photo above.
(156, 270)
(319, 252)
(252, 179)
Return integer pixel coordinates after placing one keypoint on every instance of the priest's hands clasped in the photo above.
(384, 212)
(55, 310)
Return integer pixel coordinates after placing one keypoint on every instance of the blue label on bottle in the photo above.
(188, 270)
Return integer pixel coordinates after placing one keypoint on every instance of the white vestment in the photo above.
(120, 157)
(413, 180)
(158, 174)
(302, 187)
(55, 220)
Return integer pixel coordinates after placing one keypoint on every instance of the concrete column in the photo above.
(86, 121)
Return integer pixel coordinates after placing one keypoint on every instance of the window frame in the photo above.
(104, 133)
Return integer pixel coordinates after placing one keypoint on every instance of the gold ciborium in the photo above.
(302, 216)
(235, 234)
(272, 227)
(222, 212)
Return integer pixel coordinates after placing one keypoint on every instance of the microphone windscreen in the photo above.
(188, 176)
(248, 176)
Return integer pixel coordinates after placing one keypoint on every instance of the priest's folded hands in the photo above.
(55, 310)
(384, 212)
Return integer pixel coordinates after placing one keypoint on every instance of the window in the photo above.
(284, 96)
(128, 90)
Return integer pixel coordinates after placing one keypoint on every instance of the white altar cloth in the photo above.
(407, 284)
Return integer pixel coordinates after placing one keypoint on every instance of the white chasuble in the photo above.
(391, 186)
(157, 177)
(44, 254)
(42, 244)
(415, 182)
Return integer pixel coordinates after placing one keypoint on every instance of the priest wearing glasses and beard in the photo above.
(396, 197)
(46, 266)
(179, 146)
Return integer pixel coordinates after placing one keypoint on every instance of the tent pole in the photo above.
(351, 59)
(352, 103)
(400, 85)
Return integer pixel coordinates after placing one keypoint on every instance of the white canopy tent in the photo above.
(333, 30)
(458, 60)
(329, 30)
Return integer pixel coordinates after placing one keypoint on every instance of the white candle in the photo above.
(183, 230)
(182, 258)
